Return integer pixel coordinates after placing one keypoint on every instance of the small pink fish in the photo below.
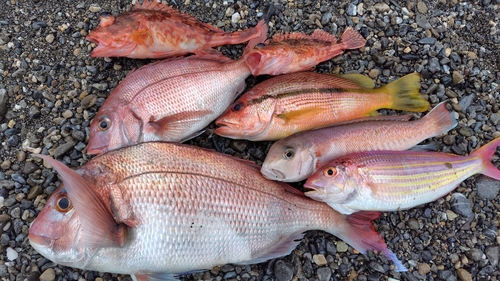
(303, 52)
(158, 210)
(396, 180)
(155, 30)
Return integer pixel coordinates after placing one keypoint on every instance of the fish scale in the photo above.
(184, 209)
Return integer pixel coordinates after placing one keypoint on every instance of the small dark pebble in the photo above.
(377, 266)
(492, 253)
(29, 167)
(283, 271)
(461, 205)
(427, 40)
(446, 80)
(324, 273)
(18, 178)
(38, 24)
(409, 56)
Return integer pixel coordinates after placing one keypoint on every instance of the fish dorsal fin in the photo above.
(185, 18)
(322, 35)
(318, 34)
(99, 227)
(360, 79)
(211, 54)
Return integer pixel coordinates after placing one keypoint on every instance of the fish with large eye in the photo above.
(63, 204)
(288, 153)
(104, 124)
(330, 172)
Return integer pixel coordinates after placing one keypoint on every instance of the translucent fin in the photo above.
(405, 94)
(175, 125)
(440, 120)
(155, 276)
(486, 153)
(352, 39)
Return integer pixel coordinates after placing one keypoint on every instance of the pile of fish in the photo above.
(154, 208)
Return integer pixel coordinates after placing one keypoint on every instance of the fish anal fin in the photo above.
(121, 208)
(283, 247)
(155, 277)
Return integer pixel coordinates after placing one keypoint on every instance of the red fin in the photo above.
(361, 234)
(100, 229)
(186, 18)
(322, 35)
(486, 153)
(262, 29)
(352, 39)
(443, 119)
(211, 54)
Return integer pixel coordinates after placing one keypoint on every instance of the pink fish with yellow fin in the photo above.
(396, 180)
(303, 51)
(157, 210)
(295, 102)
(155, 30)
(298, 156)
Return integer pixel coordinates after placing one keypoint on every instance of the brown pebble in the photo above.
(21, 156)
(48, 275)
(4, 218)
(34, 192)
(464, 275)
(374, 73)
(457, 77)
(5, 164)
(423, 268)
(89, 101)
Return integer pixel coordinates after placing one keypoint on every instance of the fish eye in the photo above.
(237, 107)
(288, 153)
(104, 124)
(105, 14)
(330, 172)
(63, 204)
(260, 45)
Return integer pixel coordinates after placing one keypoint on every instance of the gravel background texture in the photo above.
(50, 89)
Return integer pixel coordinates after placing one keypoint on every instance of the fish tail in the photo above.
(262, 29)
(405, 93)
(254, 35)
(361, 234)
(486, 153)
(440, 120)
(352, 39)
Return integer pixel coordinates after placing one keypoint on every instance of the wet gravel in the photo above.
(50, 89)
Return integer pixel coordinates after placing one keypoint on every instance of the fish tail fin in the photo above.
(352, 39)
(486, 153)
(405, 94)
(439, 120)
(361, 234)
(262, 29)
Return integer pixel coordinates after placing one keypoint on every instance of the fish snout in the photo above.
(272, 174)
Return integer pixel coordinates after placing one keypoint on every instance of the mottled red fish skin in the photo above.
(154, 30)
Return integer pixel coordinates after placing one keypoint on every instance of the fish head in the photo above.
(289, 160)
(245, 119)
(56, 232)
(331, 184)
(273, 58)
(113, 127)
(113, 36)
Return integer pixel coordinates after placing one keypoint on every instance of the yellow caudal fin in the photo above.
(405, 94)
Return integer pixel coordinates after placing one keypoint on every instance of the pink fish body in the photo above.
(156, 210)
(170, 100)
(154, 30)
(396, 180)
(298, 156)
(303, 52)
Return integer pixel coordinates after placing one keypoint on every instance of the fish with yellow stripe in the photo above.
(295, 102)
(396, 180)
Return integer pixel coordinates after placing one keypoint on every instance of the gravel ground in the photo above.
(50, 89)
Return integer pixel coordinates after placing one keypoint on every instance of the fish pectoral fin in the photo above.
(155, 277)
(121, 208)
(302, 114)
(177, 123)
(282, 248)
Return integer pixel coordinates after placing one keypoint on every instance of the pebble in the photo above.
(49, 38)
(324, 273)
(11, 254)
(341, 247)
(48, 275)
(283, 271)
(236, 17)
(487, 188)
(457, 77)
(492, 253)
(423, 268)
(461, 205)
(374, 73)
(422, 7)
(94, 8)
(319, 259)
(464, 275)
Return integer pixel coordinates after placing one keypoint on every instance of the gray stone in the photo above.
(423, 22)
(351, 10)
(487, 188)
(466, 101)
(324, 273)
(461, 205)
(283, 271)
(427, 40)
(63, 148)
(492, 253)
(3, 103)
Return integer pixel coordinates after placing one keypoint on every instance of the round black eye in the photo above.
(104, 124)
(63, 204)
(238, 106)
(261, 45)
(288, 153)
(330, 171)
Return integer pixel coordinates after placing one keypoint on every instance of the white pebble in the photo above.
(12, 254)
(235, 17)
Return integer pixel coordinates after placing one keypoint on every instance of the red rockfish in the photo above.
(287, 104)
(157, 210)
(396, 180)
(155, 30)
(298, 156)
(303, 52)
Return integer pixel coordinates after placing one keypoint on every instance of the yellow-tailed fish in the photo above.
(396, 180)
(291, 103)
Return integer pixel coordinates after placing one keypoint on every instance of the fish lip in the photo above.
(39, 241)
(96, 150)
(312, 188)
(272, 174)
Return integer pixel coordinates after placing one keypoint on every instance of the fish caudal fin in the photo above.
(405, 94)
(361, 234)
(486, 153)
(352, 39)
(262, 30)
(259, 33)
(440, 120)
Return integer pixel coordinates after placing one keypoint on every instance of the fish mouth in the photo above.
(312, 188)
(38, 241)
(225, 127)
(272, 174)
(95, 150)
